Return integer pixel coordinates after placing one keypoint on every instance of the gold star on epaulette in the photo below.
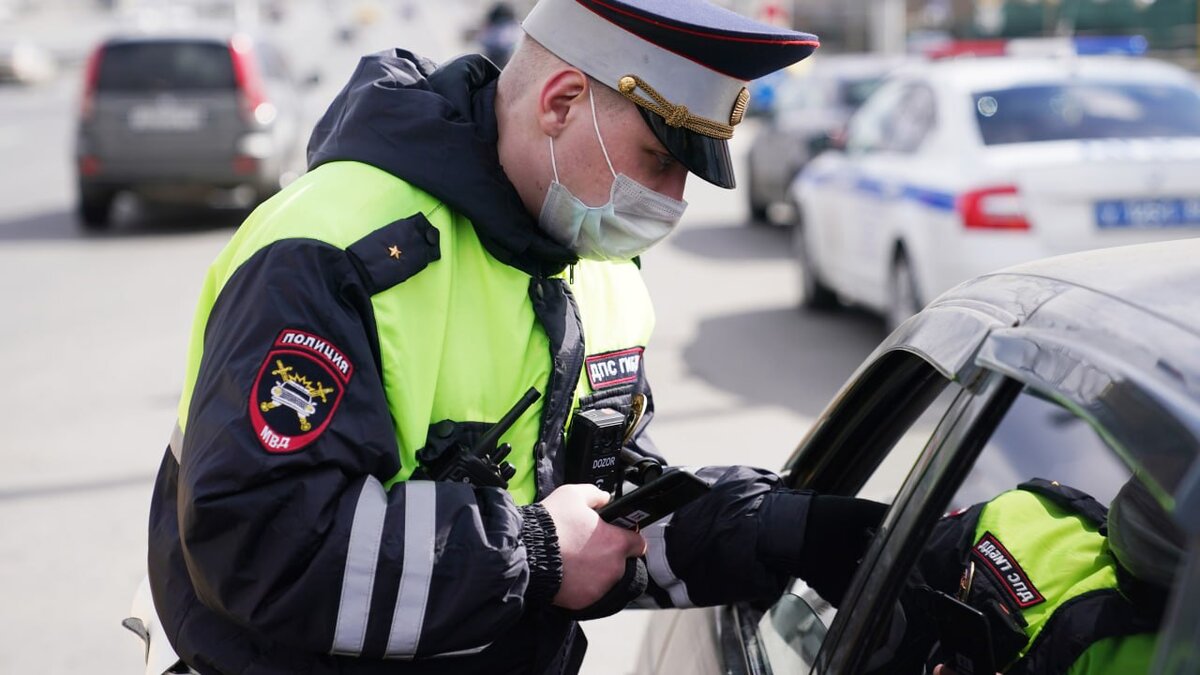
(394, 251)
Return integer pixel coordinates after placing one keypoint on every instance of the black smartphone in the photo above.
(965, 636)
(654, 500)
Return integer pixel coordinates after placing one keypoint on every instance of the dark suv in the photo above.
(186, 117)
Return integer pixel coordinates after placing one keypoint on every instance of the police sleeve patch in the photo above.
(613, 368)
(1007, 570)
(298, 388)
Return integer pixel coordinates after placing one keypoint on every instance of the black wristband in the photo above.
(541, 551)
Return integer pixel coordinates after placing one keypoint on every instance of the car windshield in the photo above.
(175, 65)
(1086, 110)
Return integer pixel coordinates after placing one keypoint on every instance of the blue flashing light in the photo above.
(1128, 45)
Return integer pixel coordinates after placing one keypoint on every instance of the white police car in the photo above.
(960, 166)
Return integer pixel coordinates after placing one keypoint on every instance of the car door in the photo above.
(834, 189)
(1002, 431)
(884, 172)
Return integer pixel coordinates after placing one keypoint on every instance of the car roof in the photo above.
(1161, 278)
(1113, 334)
(999, 72)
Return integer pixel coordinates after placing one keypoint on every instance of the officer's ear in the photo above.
(563, 90)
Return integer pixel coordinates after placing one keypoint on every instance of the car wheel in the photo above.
(95, 207)
(903, 299)
(814, 294)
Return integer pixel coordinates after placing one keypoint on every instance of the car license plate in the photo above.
(1148, 213)
(166, 117)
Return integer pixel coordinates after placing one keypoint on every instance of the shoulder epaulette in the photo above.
(397, 251)
(1076, 501)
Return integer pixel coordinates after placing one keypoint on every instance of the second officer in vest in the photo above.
(462, 236)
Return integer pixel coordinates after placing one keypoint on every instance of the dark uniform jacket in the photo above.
(248, 553)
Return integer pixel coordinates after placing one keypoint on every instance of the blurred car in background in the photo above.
(957, 167)
(186, 117)
(803, 111)
(25, 62)
(1082, 369)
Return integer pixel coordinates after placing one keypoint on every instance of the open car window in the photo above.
(1030, 438)
(903, 401)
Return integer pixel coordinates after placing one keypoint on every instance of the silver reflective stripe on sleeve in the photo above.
(358, 581)
(176, 443)
(659, 568)
(420, 528)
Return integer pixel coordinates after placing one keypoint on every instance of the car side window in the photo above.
(1035, 438)
(793, 630)
(1040, 439)
(870, 128)
(915, 117)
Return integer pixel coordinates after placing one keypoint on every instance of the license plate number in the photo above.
(166, 118)
(1148, 213)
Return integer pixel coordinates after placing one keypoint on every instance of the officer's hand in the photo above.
(593, 551)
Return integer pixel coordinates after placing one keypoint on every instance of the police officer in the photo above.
(1066, 585)
(461, 237)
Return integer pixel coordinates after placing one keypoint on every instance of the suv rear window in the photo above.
(170, 66)
(1086, 110)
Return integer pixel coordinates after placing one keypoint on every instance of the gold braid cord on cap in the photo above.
(678, 115)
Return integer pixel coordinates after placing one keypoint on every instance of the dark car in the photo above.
(186, 117)
(1081, 369)
(804, 110)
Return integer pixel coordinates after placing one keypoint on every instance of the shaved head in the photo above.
(542, 100)
(529, 67)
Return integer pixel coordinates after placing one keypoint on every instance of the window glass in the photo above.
(852, 93)
(166, 66)
(869, 127)
(999, 553)
(1041, 439)
(914, 119)
(1086, 110)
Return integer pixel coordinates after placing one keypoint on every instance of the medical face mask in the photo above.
(634, 219)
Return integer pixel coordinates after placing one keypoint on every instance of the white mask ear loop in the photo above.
(592, 101)
(553, 164)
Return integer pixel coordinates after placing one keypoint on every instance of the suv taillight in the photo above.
(994, 208)
(256, 109)
(87, 103)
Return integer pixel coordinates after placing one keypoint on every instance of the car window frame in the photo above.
(876, 408)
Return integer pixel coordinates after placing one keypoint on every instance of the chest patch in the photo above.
(613, 368)
(298, 388)
(1005, 568)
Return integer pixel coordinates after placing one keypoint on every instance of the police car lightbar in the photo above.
(1087, 45)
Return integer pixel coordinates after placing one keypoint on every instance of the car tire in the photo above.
(814, 294)
(95, 207)
(903, 299)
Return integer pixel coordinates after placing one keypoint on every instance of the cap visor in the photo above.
(704, 156)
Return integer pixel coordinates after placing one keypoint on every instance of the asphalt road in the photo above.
(93, 335)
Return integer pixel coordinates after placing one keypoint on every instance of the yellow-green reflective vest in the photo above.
(459, 340)
(1049, 556)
